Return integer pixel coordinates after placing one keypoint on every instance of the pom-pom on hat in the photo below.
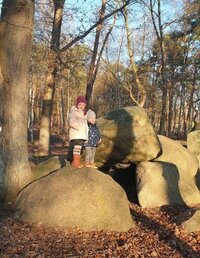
(80, 99)
(91, 114)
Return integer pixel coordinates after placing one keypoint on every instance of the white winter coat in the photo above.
(78, 126)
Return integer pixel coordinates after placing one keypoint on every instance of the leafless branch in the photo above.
(95, 25)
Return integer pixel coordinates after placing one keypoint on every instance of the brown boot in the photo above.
(76, 161)
(87, 164)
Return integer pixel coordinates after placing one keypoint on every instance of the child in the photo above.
(93, 139)
(78, 131)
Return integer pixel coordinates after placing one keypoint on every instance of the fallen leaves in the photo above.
(155, 235)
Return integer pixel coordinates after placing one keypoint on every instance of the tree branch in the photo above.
(95, 25)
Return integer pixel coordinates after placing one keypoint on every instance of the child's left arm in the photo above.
(98, 135)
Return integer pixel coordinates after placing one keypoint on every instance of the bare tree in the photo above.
(92, 67)
(96, 56)
(53, 66)
(156, 19)
(191, 98)
(133, 66)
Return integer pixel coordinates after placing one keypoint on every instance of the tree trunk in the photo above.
(31, 114)
(133, 66)
(16, 31)
(162, 129)
(171, 101)
(158, 27)
(190, 104)
(93, 66)
(180, 114)
(183, 89)
(45, 126)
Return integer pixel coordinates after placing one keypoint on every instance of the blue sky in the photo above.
(86, 12)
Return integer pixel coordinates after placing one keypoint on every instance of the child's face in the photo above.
(92, 120)
(81, 106)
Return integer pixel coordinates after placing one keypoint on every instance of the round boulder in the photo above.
(84, 198)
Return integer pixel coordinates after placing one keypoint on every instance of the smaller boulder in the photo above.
(190, 220)
(162, 183)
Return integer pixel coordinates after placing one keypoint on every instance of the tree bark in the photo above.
(190, 104)
(171, 92)
(45, 126)
(16, 34)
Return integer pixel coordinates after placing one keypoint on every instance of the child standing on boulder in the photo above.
(78, 131)
(93, 139)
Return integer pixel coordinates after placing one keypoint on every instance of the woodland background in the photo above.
(144, 54)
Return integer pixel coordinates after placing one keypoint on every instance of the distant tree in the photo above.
(53, 66)
(16, 31)
(133, 67)
(156, 15)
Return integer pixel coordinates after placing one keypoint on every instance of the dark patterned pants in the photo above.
(74, 147)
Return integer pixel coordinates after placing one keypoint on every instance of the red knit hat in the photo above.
(80, 99)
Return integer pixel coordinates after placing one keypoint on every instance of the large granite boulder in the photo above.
(127, 136)
(85, 198)
(169, 179)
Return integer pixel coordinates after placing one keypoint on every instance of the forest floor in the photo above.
(155, 235)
